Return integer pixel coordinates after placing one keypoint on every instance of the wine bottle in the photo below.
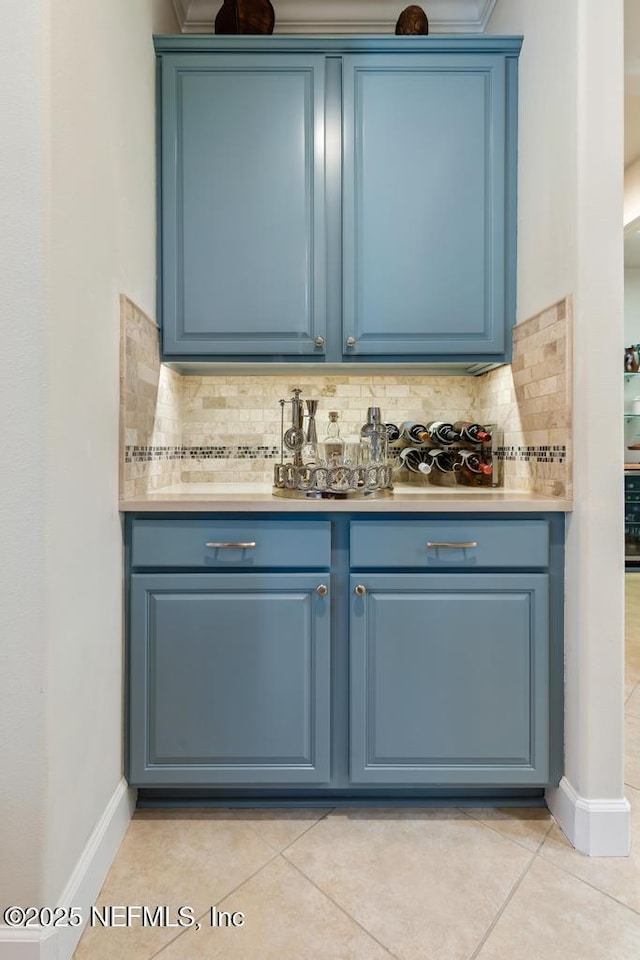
(413, 432)
(475, 463)
(415, 460)
(471, 432)
(444, 461)
(393, 432)
(441, 432)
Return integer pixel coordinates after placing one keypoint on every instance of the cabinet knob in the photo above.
(319, 341)
(351, 341)
(360, 590)
(322, 589)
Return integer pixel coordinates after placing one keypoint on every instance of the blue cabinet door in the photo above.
(450, 679)
(229, 679)
(242, 204)
(429, 226)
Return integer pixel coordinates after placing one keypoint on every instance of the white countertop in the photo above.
(258, 498)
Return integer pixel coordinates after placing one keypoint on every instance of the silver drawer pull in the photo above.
(464, 545)
(322, 589)
(229, 546)
(360, 590)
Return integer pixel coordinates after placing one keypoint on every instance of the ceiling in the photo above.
(345, 16)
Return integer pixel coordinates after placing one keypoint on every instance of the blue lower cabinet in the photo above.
(229, 679)
(450, 679)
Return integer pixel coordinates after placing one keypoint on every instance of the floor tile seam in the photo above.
(591, 886)
(220, 902)
(552, 824)
(631, 693)
(503, 907)
(518, 843)
(635, 786)
(342, 910)
(307, 829)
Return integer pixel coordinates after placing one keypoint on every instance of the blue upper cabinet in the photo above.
(425, 205)
(343, 200)
(242, 204)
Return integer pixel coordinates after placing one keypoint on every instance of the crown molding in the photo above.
(345, 16)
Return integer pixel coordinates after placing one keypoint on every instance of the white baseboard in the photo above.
(599, 828)
(59, 943)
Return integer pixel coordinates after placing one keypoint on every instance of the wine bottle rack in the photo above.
(456, 478)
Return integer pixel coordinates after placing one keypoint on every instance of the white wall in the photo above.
(546, 147)
(632, 193)
(80, 92)
(23, 314)
(631, 335)
(103, 232)
(631, 305)
(570, 241)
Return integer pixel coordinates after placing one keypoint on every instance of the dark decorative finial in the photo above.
(413, 20)
(245, 16)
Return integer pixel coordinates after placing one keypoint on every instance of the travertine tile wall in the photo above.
(227, 428)
(150, 407)
(532, 400)
(234, 412)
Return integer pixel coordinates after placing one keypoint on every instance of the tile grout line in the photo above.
(300, 835)
(220, 900)
(631, 693)
(504, 835)
(341, 909)
(574, 876)
(504, 906)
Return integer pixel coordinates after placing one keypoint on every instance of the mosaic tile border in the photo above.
(154, 454)
(554, 453)
(541, 454)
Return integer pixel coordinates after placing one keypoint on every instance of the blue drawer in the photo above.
(212, 543)
(450, 543)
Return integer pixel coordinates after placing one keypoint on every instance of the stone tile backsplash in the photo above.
(531, 399)
(246, 410)
(150, 407)
(195, 429)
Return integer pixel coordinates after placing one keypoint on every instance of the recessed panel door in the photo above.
(425, 195)
(449, 679)
(243, 232)
(229, 679)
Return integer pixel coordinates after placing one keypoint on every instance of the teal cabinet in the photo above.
(229, 679)
(242, 204)
(425, 204)
(450, 678)
(338, 200)
(344, 655)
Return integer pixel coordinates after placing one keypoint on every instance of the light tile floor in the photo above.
(377, 884)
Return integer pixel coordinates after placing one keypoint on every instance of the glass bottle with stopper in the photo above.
(333, 442)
